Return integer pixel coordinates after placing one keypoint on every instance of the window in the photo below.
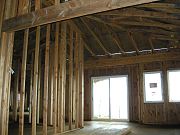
(174, 85)
(152, 87)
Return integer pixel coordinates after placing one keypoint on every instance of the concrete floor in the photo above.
(109, 128)
(114, 128)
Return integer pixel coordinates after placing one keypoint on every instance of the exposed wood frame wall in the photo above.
(58, 12)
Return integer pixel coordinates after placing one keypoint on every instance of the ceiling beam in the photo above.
(67, 10)
(95, 36)
(133, 41)
(138, 12)
(110, 62)
(75, 27)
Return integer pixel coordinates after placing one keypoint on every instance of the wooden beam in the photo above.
(23, 81)
(35, 81)
(115, 39)
(74, 26)
(137, 12)
(46, 80)
(6, 54)
(117, 26)
(62, 83)
(50, 94)
(102, 63)
(70, 78)
(39, 87)
(1, 15)
(81, 84)
(95, 36)
(36, 73)
(133, 42)
(55, 85)
(67, 10)
(77, 79)
(31, 88)
(151, 44)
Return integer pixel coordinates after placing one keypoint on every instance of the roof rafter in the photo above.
(95, 36)
(67, 10)
(133, 41)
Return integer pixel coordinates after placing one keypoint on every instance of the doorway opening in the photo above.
(110, 98)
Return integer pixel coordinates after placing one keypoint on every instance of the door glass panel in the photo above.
(118, 98)
(101, 98)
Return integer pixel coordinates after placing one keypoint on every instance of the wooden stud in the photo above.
(6, 55)
(50, 100)
(81, 84)
(1, 15)
(62, 79)
(31, 89)
(70, 79)
(77, 79)
(55, 85)
(35, 81)
(39, 88)
(46, 80)
(23, 81)
(36, 73)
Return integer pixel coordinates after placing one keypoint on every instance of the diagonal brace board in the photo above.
(64, 11)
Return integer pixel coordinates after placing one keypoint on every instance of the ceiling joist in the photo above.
(67, 10)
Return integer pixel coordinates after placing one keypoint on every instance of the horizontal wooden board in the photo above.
(67, 10)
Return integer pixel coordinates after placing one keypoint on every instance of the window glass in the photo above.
(174, 85)
(152, 87)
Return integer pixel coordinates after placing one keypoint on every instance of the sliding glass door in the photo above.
(110, 98)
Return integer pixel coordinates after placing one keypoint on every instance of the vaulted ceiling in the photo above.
(142, 29)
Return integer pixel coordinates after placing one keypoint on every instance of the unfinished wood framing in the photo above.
(31, 88)
(70, 79)
(23, 80)
(46, 81)
(67, 10)
(51, 84)
(55, 80)
(62, 76)
(35, 81)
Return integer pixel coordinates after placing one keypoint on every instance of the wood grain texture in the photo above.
(67, 10)
(46, 81)
(130, 60)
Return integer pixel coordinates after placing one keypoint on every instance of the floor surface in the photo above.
(108, 128)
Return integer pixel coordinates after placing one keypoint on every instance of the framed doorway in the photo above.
(110, 98)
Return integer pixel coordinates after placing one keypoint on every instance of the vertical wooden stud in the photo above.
(39, 89)
(62, 75)
(23, 80)
(31, 89)
(35, 81)
(81, 84)
(77, 78)
(70, 78)
(46, 81)
(56, 75)
(35, 76)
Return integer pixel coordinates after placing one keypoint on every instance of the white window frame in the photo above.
(170, 70)
(152, 72)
